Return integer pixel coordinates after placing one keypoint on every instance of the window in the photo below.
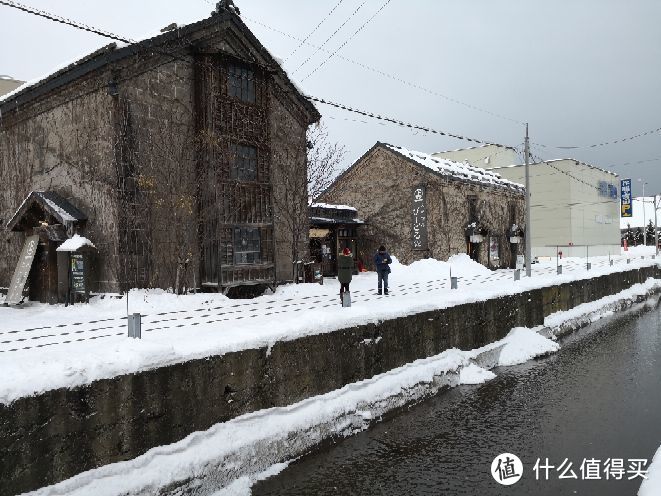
(246, 246)
(241, 83)
(244, 162)
(472, 208)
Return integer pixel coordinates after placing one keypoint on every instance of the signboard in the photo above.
(419, 212)
(626, 206)
(77, 273)
(20, 277)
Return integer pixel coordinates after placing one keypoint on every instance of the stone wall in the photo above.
(380, 186)
(57, 434)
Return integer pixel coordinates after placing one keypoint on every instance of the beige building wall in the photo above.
(566, 208)
(7, 84)
(487, 156)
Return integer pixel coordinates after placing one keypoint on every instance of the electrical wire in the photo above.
(330, 37)
(347, 40)
(64, 20)
(605, 143)
(304, 41)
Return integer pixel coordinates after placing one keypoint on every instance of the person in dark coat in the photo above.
(382, 262)
(344, 270)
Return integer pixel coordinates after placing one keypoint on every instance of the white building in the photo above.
(572, 203)
(485, 156)
(7, 84)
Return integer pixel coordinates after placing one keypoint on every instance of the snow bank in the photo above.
(474, 374)
(652, 485)
(237, 453)
(522, 344)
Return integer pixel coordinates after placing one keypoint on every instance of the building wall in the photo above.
(8, 84)
(482, 156)
(130, 161)
(380, 186)
(62, 143)
(289, 178)
(566, 208)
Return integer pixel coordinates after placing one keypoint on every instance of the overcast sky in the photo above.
(580, 72)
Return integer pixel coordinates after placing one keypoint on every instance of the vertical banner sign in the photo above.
(626, 204)
(419, 218)
(77, 273)
(20, 277)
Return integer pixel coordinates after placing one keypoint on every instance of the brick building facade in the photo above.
(420, 206)
(173, 148)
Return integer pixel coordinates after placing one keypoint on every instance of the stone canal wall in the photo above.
(57, 434)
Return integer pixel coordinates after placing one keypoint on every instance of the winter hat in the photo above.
(346, 251)
(382, 248)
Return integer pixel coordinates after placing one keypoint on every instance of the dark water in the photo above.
(599, 397)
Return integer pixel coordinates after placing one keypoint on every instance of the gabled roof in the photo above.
(118, 51)
(439, 166)
(53, 204)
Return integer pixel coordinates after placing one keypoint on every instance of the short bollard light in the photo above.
(453, 283)
(628, 260)
(135, 327)
(346, 299)
(559, 269)
(611, 262)
(588, 266)
(642, 257)
(517, 274)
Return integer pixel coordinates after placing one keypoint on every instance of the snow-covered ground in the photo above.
(236, 453)
(43, 347)
(652, 485)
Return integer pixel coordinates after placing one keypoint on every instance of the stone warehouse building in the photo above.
(420, 206)
(173, 149)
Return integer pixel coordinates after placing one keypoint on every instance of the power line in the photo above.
(64, 20)
(311, 98)
(388, 75)
(314, 30)
(330, 37)
(348, 40)
(392, 120)
(605, 143)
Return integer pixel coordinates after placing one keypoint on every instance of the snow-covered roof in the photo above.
(52, 203)
(332, 206)
(455, 169)
(75, 243)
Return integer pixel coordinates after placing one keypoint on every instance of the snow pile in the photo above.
(652, 485)
(522, 344)
(430, 269)
(242, 486)
(474, 374)
(456, 169)
(75, 243)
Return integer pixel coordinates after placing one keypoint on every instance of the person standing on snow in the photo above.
(382, 262)
(344, 270)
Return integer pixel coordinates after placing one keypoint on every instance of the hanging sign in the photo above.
(419, 212)
(625, 198)
(20, 277)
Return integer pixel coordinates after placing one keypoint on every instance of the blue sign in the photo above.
(626, 205)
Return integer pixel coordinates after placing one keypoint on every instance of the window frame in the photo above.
(248, 253)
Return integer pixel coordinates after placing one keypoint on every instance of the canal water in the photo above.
(598, 398)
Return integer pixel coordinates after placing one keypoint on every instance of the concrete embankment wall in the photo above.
(57, 434)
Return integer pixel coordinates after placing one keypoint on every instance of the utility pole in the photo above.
(528, 229)
(644, 219)
(656, 225)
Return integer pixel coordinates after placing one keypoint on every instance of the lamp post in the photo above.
(644, 219)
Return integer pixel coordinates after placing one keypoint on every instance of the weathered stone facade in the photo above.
(380, 185)
(128, 136)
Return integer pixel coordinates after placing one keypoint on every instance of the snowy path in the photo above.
(42, 346)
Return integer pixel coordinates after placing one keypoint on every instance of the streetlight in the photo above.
(644, 220)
